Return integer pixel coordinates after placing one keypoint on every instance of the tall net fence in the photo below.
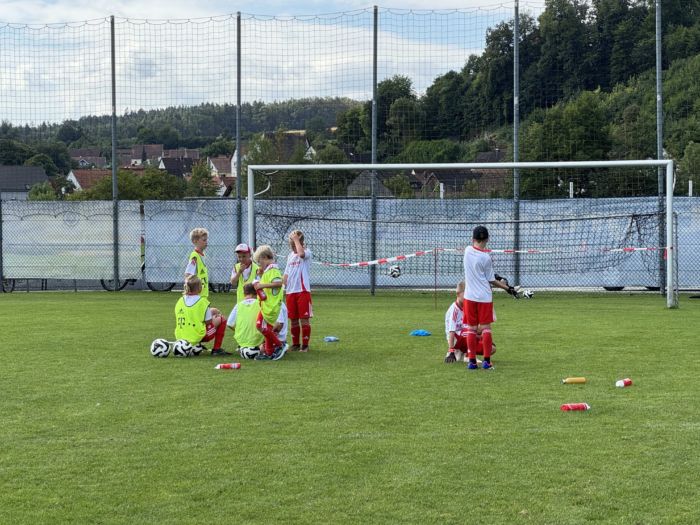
(445, 92)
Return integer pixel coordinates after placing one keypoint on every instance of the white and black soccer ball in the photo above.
(182, 348)
(247, 352)
(160, 348)
(197, 349)
(394, 271)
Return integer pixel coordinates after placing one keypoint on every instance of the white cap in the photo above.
(243, 248)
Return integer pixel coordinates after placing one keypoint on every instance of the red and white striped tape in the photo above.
(397, 258)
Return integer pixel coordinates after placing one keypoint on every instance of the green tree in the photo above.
(221, 146)
(400, 186)
(128, 188)
(689, 169)
(58, 153)
(426, 151)
(201, 184)
(315, 129)
(14, 152)
(42, 191)
(160, 185)
(42, 160)
(69, 132)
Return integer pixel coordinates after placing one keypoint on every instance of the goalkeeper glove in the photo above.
(502, 279)
(450, 357)
(514, 291)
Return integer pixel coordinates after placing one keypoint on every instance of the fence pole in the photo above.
(239, 202)
(115, 193)
(660, 149)
(373, 175)
(516, 141)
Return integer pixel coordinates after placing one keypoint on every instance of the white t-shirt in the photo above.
(246, 272)
(453, 320)
(478, 271)
(297, 272)
(282, 318)
(191, 299)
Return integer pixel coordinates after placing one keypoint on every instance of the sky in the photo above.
(55, 54)
(57, 11)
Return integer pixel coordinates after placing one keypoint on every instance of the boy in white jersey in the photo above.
(298, 288)
(478, 298)
(456, 333)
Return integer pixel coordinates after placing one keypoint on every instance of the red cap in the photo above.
(243, 248)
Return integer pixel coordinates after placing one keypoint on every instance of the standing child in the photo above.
(243, 319)
(196, 321)
(298, 288)
(455, 332)
(271, 294)
(244, 271)
(196, 265)
(478, 298)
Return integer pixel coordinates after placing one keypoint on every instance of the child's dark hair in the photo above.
(480, 233)
(248, 289)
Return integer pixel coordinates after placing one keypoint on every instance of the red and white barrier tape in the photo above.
(397, 258)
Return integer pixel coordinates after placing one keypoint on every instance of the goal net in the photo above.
(576, 225)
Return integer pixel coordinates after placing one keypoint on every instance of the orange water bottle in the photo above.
(573, 380)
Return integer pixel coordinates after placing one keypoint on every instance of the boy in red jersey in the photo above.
(478, 298)
(298, 289)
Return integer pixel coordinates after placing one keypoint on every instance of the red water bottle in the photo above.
(622, 383)
(261, 293)
(228, 366)
(575, 406)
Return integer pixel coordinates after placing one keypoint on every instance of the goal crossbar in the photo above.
(666, 164)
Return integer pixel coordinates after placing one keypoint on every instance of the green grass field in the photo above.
(373, 429)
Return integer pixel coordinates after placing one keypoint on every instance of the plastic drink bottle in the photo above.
(622, 383)
(261, 294)
(572, 380)
(330, 339)
(228, 366)
(575, 406)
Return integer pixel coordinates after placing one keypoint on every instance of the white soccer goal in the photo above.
(582, 222)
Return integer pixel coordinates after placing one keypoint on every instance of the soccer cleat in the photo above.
(279, 352)
(450, 357)
(486, 365)
(304, 349)
(219, 351)
(294, 348)
(472, 366)
(262, 356)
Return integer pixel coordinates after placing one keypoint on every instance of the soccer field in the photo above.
(372, 429)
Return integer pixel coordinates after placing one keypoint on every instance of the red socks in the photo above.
(472, 343)
(305, 334)
(296, 330)
(487, 343)
(271, 339)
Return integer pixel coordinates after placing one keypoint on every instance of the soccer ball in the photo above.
(197, 349)
(528, 294)
(182, 348)
(394, 272)
(248, 353)
(160, 348)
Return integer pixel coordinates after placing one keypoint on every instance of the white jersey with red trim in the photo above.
(453, 320)
(297, 272)
(478, 271)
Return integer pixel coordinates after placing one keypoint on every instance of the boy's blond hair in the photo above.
(193, 285)
(300, 234)
(198, 233)
(460, 287)
(265, 251)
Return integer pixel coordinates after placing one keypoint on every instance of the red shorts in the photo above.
(299, 305)
(478, 313)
